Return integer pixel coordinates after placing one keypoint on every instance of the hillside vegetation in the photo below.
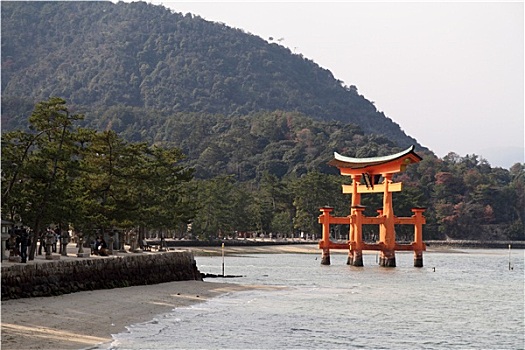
(99, 54)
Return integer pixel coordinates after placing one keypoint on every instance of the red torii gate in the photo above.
(376, 173)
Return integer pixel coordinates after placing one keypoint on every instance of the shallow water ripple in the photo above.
(471, 301)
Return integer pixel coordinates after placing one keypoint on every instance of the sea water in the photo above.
(467, 299)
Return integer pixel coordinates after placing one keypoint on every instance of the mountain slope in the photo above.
(99, 54)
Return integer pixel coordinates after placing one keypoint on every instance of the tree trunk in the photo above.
(36, 236)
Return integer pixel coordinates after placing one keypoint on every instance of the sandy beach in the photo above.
(81, 320)
(84, 319)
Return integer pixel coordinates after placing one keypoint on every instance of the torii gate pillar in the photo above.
(419, 246)
(324, 219)
(386, 228)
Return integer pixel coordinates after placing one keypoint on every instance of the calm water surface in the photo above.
(471, 301)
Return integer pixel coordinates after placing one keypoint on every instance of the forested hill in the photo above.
(97, 55)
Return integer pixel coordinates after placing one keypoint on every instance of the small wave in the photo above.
(300, 330)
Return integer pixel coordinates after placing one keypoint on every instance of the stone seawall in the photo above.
(69, 276)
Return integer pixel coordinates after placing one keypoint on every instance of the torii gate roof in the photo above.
(408, 156)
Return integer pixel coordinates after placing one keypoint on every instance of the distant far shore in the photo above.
(477, 244)
(286, 246)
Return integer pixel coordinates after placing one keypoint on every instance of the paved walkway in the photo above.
(72, 251)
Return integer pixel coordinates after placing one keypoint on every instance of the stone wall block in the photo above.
(68, 276)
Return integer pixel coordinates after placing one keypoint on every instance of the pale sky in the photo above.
(450, 74)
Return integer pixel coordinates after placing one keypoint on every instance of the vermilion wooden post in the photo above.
(357, 227)
(324, 219)
(418, 236)
(356, 200)
(387, 233)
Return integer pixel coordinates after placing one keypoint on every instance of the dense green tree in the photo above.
(282, 224)
(59, 174)
(215, 215)
(108, 196)
(164, 188)
(37, 167)
(133, 185)
(313, 191)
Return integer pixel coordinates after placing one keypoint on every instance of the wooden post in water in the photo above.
(357, 228)
(387, 233)
(324, 244)
(222, 259)
(356, 201)
(419, 220)
(509, 258)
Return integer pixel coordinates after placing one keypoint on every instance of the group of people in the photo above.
(21, 238)
(20, 242)
(54, 239)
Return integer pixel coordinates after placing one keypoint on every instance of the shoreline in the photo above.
(84, 320)
(250, 245)
(313, 249)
